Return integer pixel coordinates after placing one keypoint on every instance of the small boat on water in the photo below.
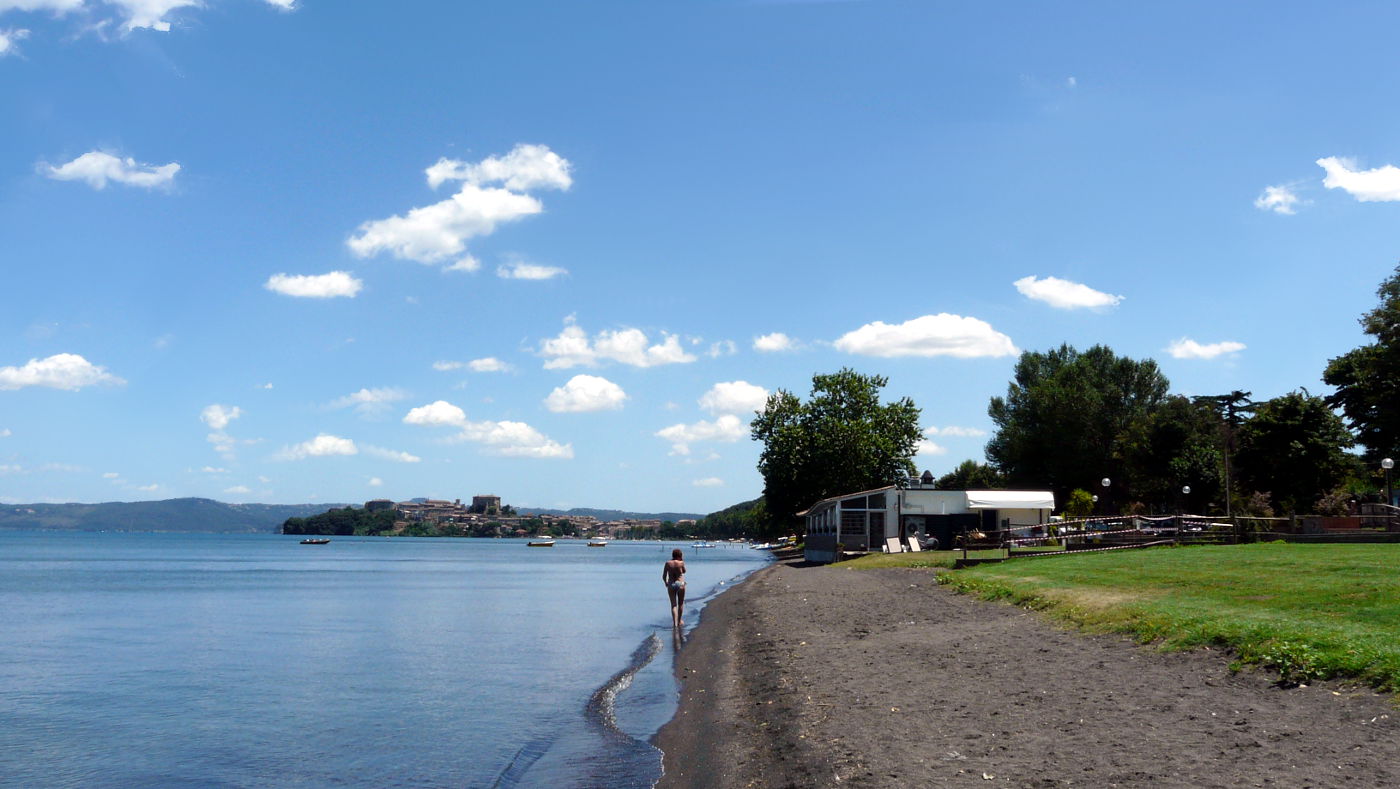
(541, 542)
(702, 544)
(597, 542)
(315, 541)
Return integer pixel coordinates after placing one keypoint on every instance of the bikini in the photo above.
(677, 583)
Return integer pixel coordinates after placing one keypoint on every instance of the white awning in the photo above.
(1010, 500)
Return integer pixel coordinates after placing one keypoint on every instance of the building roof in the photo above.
(976, 499)
(1010, 500)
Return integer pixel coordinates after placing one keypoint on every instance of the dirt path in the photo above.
(824, 676)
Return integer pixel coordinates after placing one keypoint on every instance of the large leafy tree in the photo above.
(971, 475)
(1367, 379)
(1176, 445)
(842, 440)
(1067, 418)
(1294, 448)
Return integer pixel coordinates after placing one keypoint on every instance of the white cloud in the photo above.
(722, 348)
(734, 397)
(9, 40)
(1279, 199)
(391, 454)
(135, 14)
(375, 482)
(370, 401)
(1378, 185)
(11, 468)
(727, 428)
(925, 447)
(930, 335)
(315, 286)
(1190, 349)
(60, 371)
(151, 488)
(238, 490)
(521, 270)
(1071, 82)
(111, 475)
(429, 234)
(773, 343)
(446, 366)
(708, 482)
(435, 414)
(5, 432)
(489, 364)
(218, 417)
(58, 7)
(213, 470)
(1064, 294)
(510, 439)
(97, 168)
(150, 13)
(323, 445)
(466, 263)
(586, 393)
(954, 431)
(572, 348)
(525, 168)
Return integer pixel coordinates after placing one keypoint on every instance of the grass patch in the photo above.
(923, 560)
(1306, 611)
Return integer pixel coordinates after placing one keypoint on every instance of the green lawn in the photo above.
(1309, 611)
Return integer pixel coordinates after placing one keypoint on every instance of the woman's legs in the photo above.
(680, 606)
(675, 607)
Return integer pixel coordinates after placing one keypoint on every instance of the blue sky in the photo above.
(265, 250)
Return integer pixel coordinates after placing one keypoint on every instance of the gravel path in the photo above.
(809, 676)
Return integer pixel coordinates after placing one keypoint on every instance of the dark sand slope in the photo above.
(822, 676)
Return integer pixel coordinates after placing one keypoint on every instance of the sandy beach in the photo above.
(807, 676)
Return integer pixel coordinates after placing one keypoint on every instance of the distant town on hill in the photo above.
(197, 515)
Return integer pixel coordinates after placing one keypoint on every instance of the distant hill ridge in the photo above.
(208, 516)
(171, 515)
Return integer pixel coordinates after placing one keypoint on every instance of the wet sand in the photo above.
(808, 676)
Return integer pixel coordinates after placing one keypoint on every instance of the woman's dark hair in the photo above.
(676, 554)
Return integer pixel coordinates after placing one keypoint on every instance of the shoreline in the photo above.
(825, 676)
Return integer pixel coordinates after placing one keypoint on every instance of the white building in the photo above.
(888, 518)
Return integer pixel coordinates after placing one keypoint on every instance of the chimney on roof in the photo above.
(926, 478)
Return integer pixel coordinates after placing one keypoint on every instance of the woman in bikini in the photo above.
(673, 575)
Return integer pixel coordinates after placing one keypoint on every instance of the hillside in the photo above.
(171, 515)
(611, 515)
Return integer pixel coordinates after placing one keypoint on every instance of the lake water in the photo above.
(252, 660)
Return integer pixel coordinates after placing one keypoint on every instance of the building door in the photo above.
(989, 522)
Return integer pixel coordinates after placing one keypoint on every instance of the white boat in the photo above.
(597, 542)
(702, 544)
(541, 542)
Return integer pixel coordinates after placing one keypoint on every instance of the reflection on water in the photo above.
(251, 660)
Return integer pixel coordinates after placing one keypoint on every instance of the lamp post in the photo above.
(1108, 499)
(1388, 464)
(1185, 502)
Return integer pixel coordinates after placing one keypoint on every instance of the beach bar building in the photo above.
(889, 518)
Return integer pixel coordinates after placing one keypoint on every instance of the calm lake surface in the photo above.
(252, 660)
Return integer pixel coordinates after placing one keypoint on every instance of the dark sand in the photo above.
(824, 676)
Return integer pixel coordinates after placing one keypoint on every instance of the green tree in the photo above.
(1080, 504)
(1066, 419)
(1367, 379)
(1177, 444)
(971, 475)
(841, 440)
(1294, 447)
